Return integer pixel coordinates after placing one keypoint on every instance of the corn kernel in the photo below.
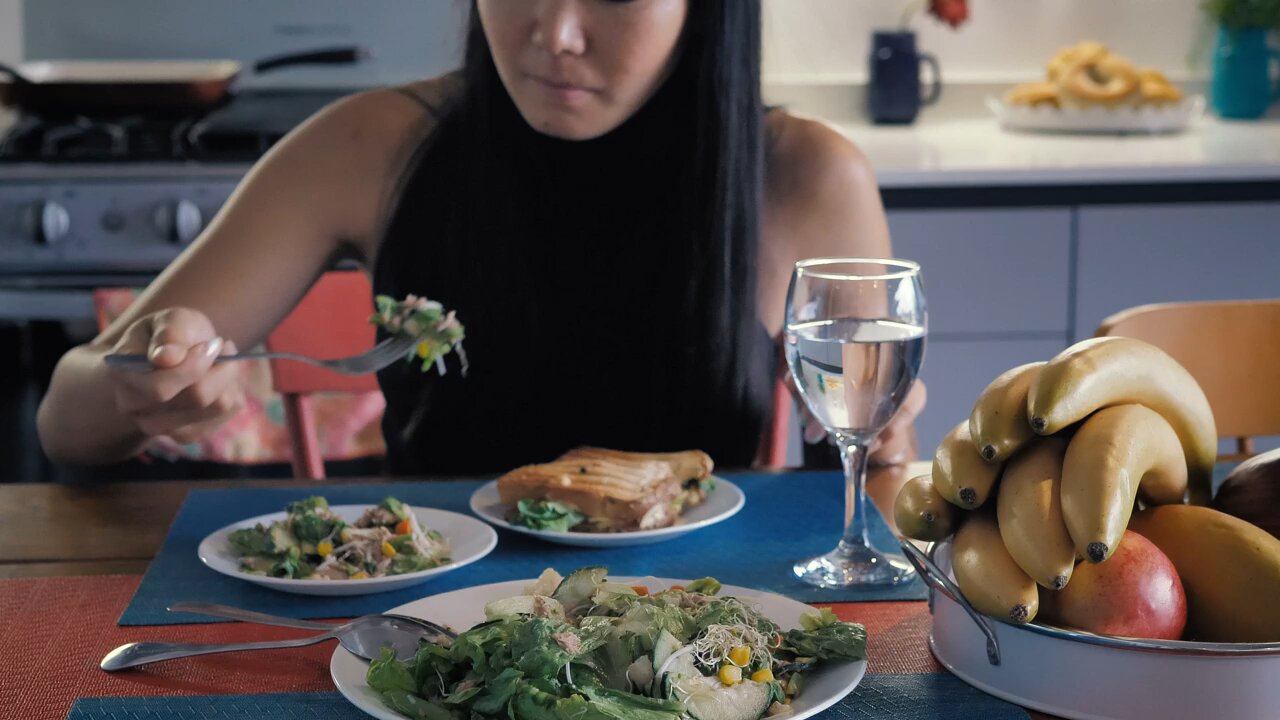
(388, 550)
(740, 655)
(730, 675)
(324, 548)
(765, 675)
(362, 575)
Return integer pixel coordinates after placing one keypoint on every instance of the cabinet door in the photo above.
(955, 372)
(1132, 255)
(990, 271)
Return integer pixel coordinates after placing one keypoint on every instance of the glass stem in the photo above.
(853, 454)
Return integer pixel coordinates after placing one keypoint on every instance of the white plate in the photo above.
(721, 504)
(469, 540)
(465, 608)
(1169, 118)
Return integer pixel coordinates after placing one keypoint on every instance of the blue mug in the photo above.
(1242, 84)
(894, 92)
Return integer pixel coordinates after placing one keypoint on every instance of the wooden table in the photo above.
(111, 529)
(115, 530)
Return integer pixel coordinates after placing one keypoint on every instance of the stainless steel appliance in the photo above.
(100, 200)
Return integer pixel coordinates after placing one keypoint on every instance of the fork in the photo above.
(250, 616)
(381, 355)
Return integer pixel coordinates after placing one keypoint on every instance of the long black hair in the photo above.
(720, 68)
(691, 174)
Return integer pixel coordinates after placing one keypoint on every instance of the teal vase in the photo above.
(1243, 86)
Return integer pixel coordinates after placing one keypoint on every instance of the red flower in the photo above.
(951, 12)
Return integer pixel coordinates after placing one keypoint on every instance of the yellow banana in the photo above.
(921, 513)
(1229, 568)
(1115, 453)
(989, 578)
(959, 473)
(1101, 372)
(1029, 509)
(999, 423)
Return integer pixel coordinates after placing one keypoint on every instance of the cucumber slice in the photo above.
(535, 605)
(663, 647)
(707, 699)
(577, 589)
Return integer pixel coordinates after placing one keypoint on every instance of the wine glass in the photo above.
(855, 336)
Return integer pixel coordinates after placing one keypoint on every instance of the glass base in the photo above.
(850, 565)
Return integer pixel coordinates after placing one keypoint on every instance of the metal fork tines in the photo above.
(380, 356)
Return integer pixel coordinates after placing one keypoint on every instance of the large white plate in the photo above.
(464, 608)
(721, 504)
(469, 540)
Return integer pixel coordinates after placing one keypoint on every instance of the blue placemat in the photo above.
(786, 517)
(879, 697)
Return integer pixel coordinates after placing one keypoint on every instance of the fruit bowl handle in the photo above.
(939, 581)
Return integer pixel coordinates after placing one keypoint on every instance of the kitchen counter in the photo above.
(960, 144)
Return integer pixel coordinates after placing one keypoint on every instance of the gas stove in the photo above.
(87, 202)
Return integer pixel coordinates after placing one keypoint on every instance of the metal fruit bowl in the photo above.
(1075, 674)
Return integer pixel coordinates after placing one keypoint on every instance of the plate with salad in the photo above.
(313, 548)
(596, 647)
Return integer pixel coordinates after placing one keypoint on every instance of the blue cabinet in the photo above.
(1136, 254)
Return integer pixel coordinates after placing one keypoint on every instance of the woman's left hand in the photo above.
(896, 444)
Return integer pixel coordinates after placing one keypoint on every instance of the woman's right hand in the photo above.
(183, 395)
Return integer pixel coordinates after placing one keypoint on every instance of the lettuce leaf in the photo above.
(547, 515)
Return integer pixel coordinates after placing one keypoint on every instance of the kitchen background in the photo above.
(1027, 241)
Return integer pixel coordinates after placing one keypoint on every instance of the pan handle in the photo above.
(16, 77)
(331, 56)
(934, 576)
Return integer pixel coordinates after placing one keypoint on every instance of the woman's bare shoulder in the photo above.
(357, 143)
(822, 186)
(807, 154)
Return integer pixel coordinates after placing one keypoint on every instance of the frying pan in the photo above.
(178, 87)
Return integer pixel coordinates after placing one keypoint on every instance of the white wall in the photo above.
(10, 31)
(825, 41)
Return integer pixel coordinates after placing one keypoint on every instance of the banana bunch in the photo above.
(1066, 448)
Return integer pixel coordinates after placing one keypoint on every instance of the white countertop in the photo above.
(961, 144)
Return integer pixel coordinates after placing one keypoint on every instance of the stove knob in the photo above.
(50, 222)
(180, 222)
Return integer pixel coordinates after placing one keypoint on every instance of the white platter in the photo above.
(464, 608)
(469, 540)
(721, 504)
(1170, 118)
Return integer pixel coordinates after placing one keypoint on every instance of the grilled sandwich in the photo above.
(615, 491)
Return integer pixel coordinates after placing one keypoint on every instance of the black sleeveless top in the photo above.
(565, 268)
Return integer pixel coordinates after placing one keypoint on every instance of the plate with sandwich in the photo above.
(592, 497)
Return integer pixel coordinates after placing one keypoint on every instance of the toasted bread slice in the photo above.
(615, 490)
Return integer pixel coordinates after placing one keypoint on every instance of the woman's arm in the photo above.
(822, 200)
(319, 194)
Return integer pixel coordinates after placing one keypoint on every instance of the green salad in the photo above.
(438, 332)
(585, 648)
(314, 543)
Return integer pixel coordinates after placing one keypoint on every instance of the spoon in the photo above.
(364, 637)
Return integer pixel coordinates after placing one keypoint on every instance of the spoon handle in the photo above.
(141, 653)
(235, 613)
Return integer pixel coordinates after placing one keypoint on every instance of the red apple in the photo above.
(1135, 593)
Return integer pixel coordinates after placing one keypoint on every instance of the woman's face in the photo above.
(577, 69)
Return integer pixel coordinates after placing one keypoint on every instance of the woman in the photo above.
(599, 194)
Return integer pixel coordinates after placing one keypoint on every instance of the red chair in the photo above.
(331, 321)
